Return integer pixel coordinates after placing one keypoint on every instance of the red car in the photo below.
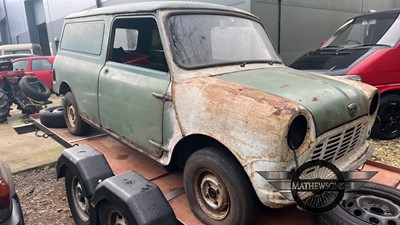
(365, 48)
(39, 66)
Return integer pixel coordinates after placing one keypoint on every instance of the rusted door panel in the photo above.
(128, 107)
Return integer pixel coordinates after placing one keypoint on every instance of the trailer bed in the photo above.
(122, 158)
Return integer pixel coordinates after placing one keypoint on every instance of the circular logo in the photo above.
(317, 186)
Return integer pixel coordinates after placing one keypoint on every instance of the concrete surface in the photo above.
(26, 151)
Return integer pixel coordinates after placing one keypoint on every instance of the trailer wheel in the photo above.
(53, 117)
(79, 205)
(75, 124)
(4, 106)
(372, 204)
(218, 189)
(387, 122)
(34, 88)
(112, 215)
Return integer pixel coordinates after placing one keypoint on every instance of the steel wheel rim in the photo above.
(71, 115)
(390, 119)
(80, 202)
(372, 209)
(58, 110)
(212, 194)
(116, 218)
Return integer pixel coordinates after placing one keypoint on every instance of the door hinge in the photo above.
(159, 146)
(163, 97)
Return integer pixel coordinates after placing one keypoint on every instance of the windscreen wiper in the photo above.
(371, 45)
(270, 62)
(332, 47)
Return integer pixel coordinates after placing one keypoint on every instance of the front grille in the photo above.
(339, 145)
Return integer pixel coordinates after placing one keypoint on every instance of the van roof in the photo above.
(151, 7)
(18, 46)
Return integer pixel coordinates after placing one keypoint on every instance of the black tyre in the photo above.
(75, 124)
(371, 204)
(34, 88)
(111, 214)
(53, 117)
(218, 189)
(5, 104)
(387, 123)
(81, 209)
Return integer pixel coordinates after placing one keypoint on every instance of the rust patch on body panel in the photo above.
(249, 122)
(328, 112)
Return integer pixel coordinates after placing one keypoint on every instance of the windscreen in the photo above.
(374, 29)
(201, 40)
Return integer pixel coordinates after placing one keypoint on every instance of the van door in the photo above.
(134, 76)
(79, 62)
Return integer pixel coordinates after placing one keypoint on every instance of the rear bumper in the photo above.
(16, 217)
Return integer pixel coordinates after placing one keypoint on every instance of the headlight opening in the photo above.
(297, 132)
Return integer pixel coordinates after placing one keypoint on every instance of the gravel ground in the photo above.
(44, 201)
(387, 152)
(42, 197)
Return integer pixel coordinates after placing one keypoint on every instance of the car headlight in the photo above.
(297, 132)
(374, 104)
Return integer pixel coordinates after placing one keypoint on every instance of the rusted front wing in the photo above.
(253, 125)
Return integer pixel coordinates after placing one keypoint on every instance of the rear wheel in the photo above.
(5, 104)
(218, 189)
(73, 120)
(110, 214)
(387, 123)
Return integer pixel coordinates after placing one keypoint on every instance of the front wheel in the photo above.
(218, 189)
(75, 124)
(79, 205)
(387, 123)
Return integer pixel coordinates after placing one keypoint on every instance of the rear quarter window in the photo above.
(85, 37)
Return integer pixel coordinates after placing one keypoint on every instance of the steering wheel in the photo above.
(354, 41)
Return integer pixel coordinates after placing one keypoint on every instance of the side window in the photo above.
(136, 41)
(84, 37)
(40, 64)
(21, 65)
(126, 38)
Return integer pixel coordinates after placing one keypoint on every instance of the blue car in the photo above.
(10, 206)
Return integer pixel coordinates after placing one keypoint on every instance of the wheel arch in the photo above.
(385, 92)
(64, 88)
(192, 143)
(89, 165)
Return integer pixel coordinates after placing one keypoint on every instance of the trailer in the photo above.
(122, 161)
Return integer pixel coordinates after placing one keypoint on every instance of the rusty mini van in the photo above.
(201, 87)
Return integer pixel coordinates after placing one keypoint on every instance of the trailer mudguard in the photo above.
(140, 199)
(88, 164)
